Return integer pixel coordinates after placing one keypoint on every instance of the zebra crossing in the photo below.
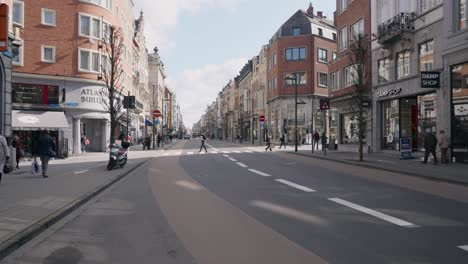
(191, 152)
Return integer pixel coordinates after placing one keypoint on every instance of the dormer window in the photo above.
(296, 31)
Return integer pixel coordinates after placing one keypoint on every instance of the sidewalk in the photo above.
(453, 172)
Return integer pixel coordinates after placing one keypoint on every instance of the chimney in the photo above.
(310, 10)
(320, 14)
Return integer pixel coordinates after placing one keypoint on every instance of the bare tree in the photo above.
(359, 52)
(112, 71)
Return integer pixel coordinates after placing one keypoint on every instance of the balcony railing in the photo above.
(395, 26)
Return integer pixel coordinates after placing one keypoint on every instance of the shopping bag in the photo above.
(34, 167)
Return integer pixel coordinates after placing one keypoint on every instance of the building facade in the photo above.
(301, 47)
(56, 71)
(408, 42)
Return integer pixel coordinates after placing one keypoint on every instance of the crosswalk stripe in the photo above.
(189, 153)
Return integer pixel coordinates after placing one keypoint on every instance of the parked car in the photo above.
(187, 136)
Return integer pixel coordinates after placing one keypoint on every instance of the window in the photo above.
(275, 59)
(91, 26)
(35, 94)
(426, 56)
(350, 129)
(425, 5)
(357, 29)
(334, 36)
(334, 56)
(322, 79)
(269, 64)
(301, 78)
(275, 82)
(335, 81)
(296, 31)
(343, 5)
(103, 3)
(48, 54)
(294, 54)
(343, 38)
(320, 32)
(269, 85)
(462, 14)
(403, 64)
(18, 59)
(89, 61)
(18, 13)
(349, 75)
(384, 70)
(48, 17)
(322, 55)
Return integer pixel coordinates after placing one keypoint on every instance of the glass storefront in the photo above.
(350, 129)
(459, 137)
(408, 117)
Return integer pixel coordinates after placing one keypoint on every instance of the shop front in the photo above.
(459, 112)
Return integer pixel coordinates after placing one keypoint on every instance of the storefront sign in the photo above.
(91, 96)
(461, 110)
(405, 148)
(391, 92)
(430, 79)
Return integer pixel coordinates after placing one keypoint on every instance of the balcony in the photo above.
(394, 27)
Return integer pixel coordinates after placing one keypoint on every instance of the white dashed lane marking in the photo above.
(242, 165)
(260, 173)
(374, 213)
(80, 172)
(227, 156)
(232, 159)
(294, 185)
(465, 247)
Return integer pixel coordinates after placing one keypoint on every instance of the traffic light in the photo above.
(129, 102)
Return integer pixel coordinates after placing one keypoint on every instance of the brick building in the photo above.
(303, 45)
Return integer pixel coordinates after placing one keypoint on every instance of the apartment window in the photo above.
(295, 54)
(335, 81)
(343, 38)
(18, 59)
(425, 5)
(426, 56)
(322, 55)
(90, 26)
(462, 14)
(103, 3)
(269, 63)
(301, 78)
(334, 56)
(275, 59)
(275, 82)
(18, 13)
(334, 36)
(343, 5)
(403, 64)
(96, 26)
(384, 70)
(322, 79)
(48, 17)
(269, 85)
(48, 54)
(85, 25)
(349, 76)
(89, 60)
(357, 29)
(296, 31)
(320, 32)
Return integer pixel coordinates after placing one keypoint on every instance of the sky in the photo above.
(205, 43)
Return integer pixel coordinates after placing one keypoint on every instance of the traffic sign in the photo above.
(157, 113)
(324, 104)
(262, 119)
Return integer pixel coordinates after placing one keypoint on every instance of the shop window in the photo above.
(426, 56)
(459, 135)
(384, 70)
(350, 129)
(391, 124)
(35, 94)
(403, 64)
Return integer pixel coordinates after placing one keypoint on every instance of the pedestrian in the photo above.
(316, 138)
(268, 143)
(121, 136)
(443, 145)
(83, 143)
(147, 142)
(430, 146)
(159, 138)
(4, 154)
(203, 138)
(45, 150)
(16, 144)
(282, 140)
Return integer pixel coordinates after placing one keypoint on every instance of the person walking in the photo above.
(203, 138)
(316, 138)
(443, 145)
(159, 138)
(4, 153)
(268, 143)
(45, 150)
(282, 140)
(430, 145)
(15, 143)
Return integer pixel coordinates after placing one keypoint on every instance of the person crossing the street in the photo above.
(282, 141)
(268, 142)
(203, 139)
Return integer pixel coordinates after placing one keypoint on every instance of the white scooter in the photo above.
(118, 155)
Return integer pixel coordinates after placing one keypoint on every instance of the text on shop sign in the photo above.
(430, 79)
(91, 96)
(389, 92)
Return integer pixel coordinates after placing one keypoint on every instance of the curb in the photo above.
(412, 174)
(21, 238)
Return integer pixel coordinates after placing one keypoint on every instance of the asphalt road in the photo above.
(243, 205)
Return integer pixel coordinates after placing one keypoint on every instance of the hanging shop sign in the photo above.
(430, 79)
(390, 92)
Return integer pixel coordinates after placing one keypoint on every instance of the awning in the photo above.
(22, 119)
